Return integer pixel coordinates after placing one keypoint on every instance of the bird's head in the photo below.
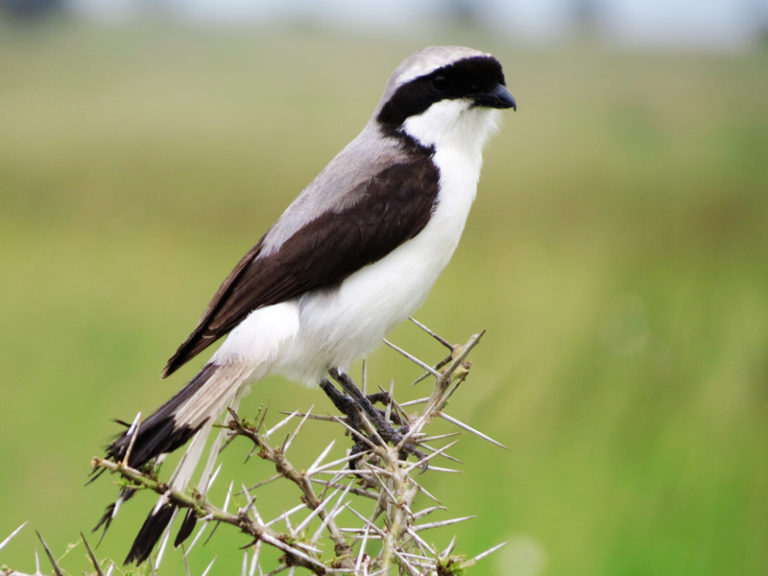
(445, 95)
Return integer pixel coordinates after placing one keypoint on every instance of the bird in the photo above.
(355, 254)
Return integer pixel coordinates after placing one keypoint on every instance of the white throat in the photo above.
(455, 125)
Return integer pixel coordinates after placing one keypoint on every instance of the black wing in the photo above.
(393, 207)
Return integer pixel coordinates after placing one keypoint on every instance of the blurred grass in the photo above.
(616, 254)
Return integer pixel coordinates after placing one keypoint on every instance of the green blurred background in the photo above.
(616, 256)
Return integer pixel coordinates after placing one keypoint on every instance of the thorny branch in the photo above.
(334, 495)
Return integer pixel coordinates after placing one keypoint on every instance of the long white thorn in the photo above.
(427, 511)
(427, 493)
(414, 402)
(413, 359)
(469, 428)
(208, 568)
(213, 479)
(420, 540)
(430, 449)
(354, 432)
(361, 552)
(334, 483)
(133, 433)
(487, 552)
(279, 425)
(329, 467)
(440, 437)
(264, 482)
(392, 498)
(404, 562)
(450, 521)
(316, 511)
(251, 505)
(368, 524)
(228, 496)
(411, 467)
(388, 409)
(335, 511)
(313, 467)
(286, 515)
(13, 534)
(255, 559)
(432, 333)
(448, 549)
(203, 527)
(292, 437)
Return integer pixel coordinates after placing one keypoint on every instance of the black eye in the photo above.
(441, 83)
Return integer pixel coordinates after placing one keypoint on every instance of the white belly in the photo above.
(341, 325)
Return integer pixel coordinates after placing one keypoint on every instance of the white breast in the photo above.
(341, 325)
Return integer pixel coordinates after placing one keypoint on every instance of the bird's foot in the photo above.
(354, 405)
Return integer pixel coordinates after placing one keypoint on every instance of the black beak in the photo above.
(498, 97)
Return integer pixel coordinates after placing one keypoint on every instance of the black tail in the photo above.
(158, 434)
(149, 534)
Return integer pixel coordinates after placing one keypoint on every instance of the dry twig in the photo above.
(366, 513)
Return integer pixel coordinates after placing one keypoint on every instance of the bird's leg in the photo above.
(350, 408)
(344, 404)
(365, 403)
(355, 403)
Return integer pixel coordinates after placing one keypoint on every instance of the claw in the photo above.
(356, 404)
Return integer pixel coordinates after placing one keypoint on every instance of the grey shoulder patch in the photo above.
(338, 185)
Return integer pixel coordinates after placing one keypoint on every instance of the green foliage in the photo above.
(451, 566)
(616, 254)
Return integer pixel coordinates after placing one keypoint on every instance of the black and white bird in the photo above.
(355, 254)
